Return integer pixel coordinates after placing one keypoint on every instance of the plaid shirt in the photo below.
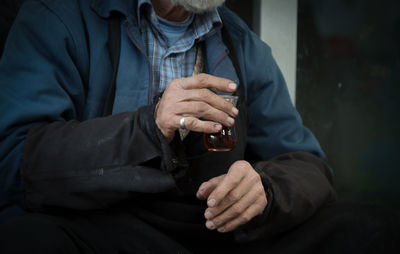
(169, 62)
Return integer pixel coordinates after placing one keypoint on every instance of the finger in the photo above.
(252, 211)
(212, 99)
(207, 187)
(237, 208)
(234, 176)
(238, 194)
(194, 124)
(204, 110)
(208, 81)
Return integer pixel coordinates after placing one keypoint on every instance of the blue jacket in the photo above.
(56, 68)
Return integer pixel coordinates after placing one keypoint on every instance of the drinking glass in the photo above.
(226, 139)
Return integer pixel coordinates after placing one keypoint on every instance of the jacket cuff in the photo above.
(299, 183)
(172, 154)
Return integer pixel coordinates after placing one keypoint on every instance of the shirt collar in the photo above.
(203, 24)
(207, 23)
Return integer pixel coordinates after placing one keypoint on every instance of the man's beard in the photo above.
(199, 6)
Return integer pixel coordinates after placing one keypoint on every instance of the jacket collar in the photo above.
(104, 7)
(128, 7)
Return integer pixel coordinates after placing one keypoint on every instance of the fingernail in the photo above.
(232, 86)
(200, 192)
(235, 111)
(211, 202)
(210, 225)
(217, 127)
(208, 215)
(231, 120)
(221, 230)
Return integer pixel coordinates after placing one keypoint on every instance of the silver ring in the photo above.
(182, 123)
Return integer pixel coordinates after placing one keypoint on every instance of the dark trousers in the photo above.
(338, 228)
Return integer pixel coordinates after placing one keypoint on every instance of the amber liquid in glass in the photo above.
(225, 140)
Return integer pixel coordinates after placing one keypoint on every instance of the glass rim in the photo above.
(230, 98)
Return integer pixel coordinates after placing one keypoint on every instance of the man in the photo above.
(95, 169)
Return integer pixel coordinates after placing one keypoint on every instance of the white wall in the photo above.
(278, 28)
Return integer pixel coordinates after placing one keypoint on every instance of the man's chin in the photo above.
(199, 6)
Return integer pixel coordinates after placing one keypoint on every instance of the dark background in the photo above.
(348, 92)
(8, 10)
(348, 88)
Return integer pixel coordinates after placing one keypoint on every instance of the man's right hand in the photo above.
(191, 98)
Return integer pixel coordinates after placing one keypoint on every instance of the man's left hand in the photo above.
(234, 198)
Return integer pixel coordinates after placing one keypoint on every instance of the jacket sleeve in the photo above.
(65, 162)
(288, 157)
(95, 163)
(297, 184)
